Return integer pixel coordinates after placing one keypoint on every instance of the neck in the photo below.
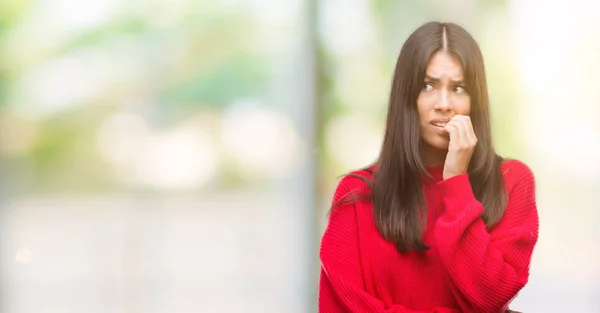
(434, 157)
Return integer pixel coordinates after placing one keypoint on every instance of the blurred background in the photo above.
(180, 156)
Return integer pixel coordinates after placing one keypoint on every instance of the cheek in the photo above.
(463, 106)
(423, 107)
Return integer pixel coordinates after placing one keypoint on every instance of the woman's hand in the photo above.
(461, 146)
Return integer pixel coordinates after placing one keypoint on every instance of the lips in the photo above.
(440, 121)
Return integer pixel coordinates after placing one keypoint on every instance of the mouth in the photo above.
(439, 122)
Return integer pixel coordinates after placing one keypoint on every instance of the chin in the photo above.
(443, 146)
(438, 143)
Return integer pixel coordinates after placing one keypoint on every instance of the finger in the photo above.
(452, 131)
(456, 125)
(469, 129)
(466, 129)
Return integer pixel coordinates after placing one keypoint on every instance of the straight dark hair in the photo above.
(396, 186)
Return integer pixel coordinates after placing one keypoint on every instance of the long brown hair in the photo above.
(396, 186)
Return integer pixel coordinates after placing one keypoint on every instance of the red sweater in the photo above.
(467, 268)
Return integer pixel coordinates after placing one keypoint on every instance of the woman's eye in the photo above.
(459, 89)
(428, 87)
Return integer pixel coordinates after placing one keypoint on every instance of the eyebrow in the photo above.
(435, 80)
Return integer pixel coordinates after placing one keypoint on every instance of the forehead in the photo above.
(442, 65)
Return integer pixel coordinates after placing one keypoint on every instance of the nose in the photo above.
(443, 103)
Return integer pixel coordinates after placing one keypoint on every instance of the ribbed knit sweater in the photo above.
(468, 268)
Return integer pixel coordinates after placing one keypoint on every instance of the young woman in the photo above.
(440, 222)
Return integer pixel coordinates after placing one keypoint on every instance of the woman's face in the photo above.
(443, 96)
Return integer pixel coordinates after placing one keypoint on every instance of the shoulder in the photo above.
(512, 168)
(518, 174)
(515, 165)
(352, 188)
(353, 183)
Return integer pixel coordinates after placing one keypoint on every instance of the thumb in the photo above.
(451, 129)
